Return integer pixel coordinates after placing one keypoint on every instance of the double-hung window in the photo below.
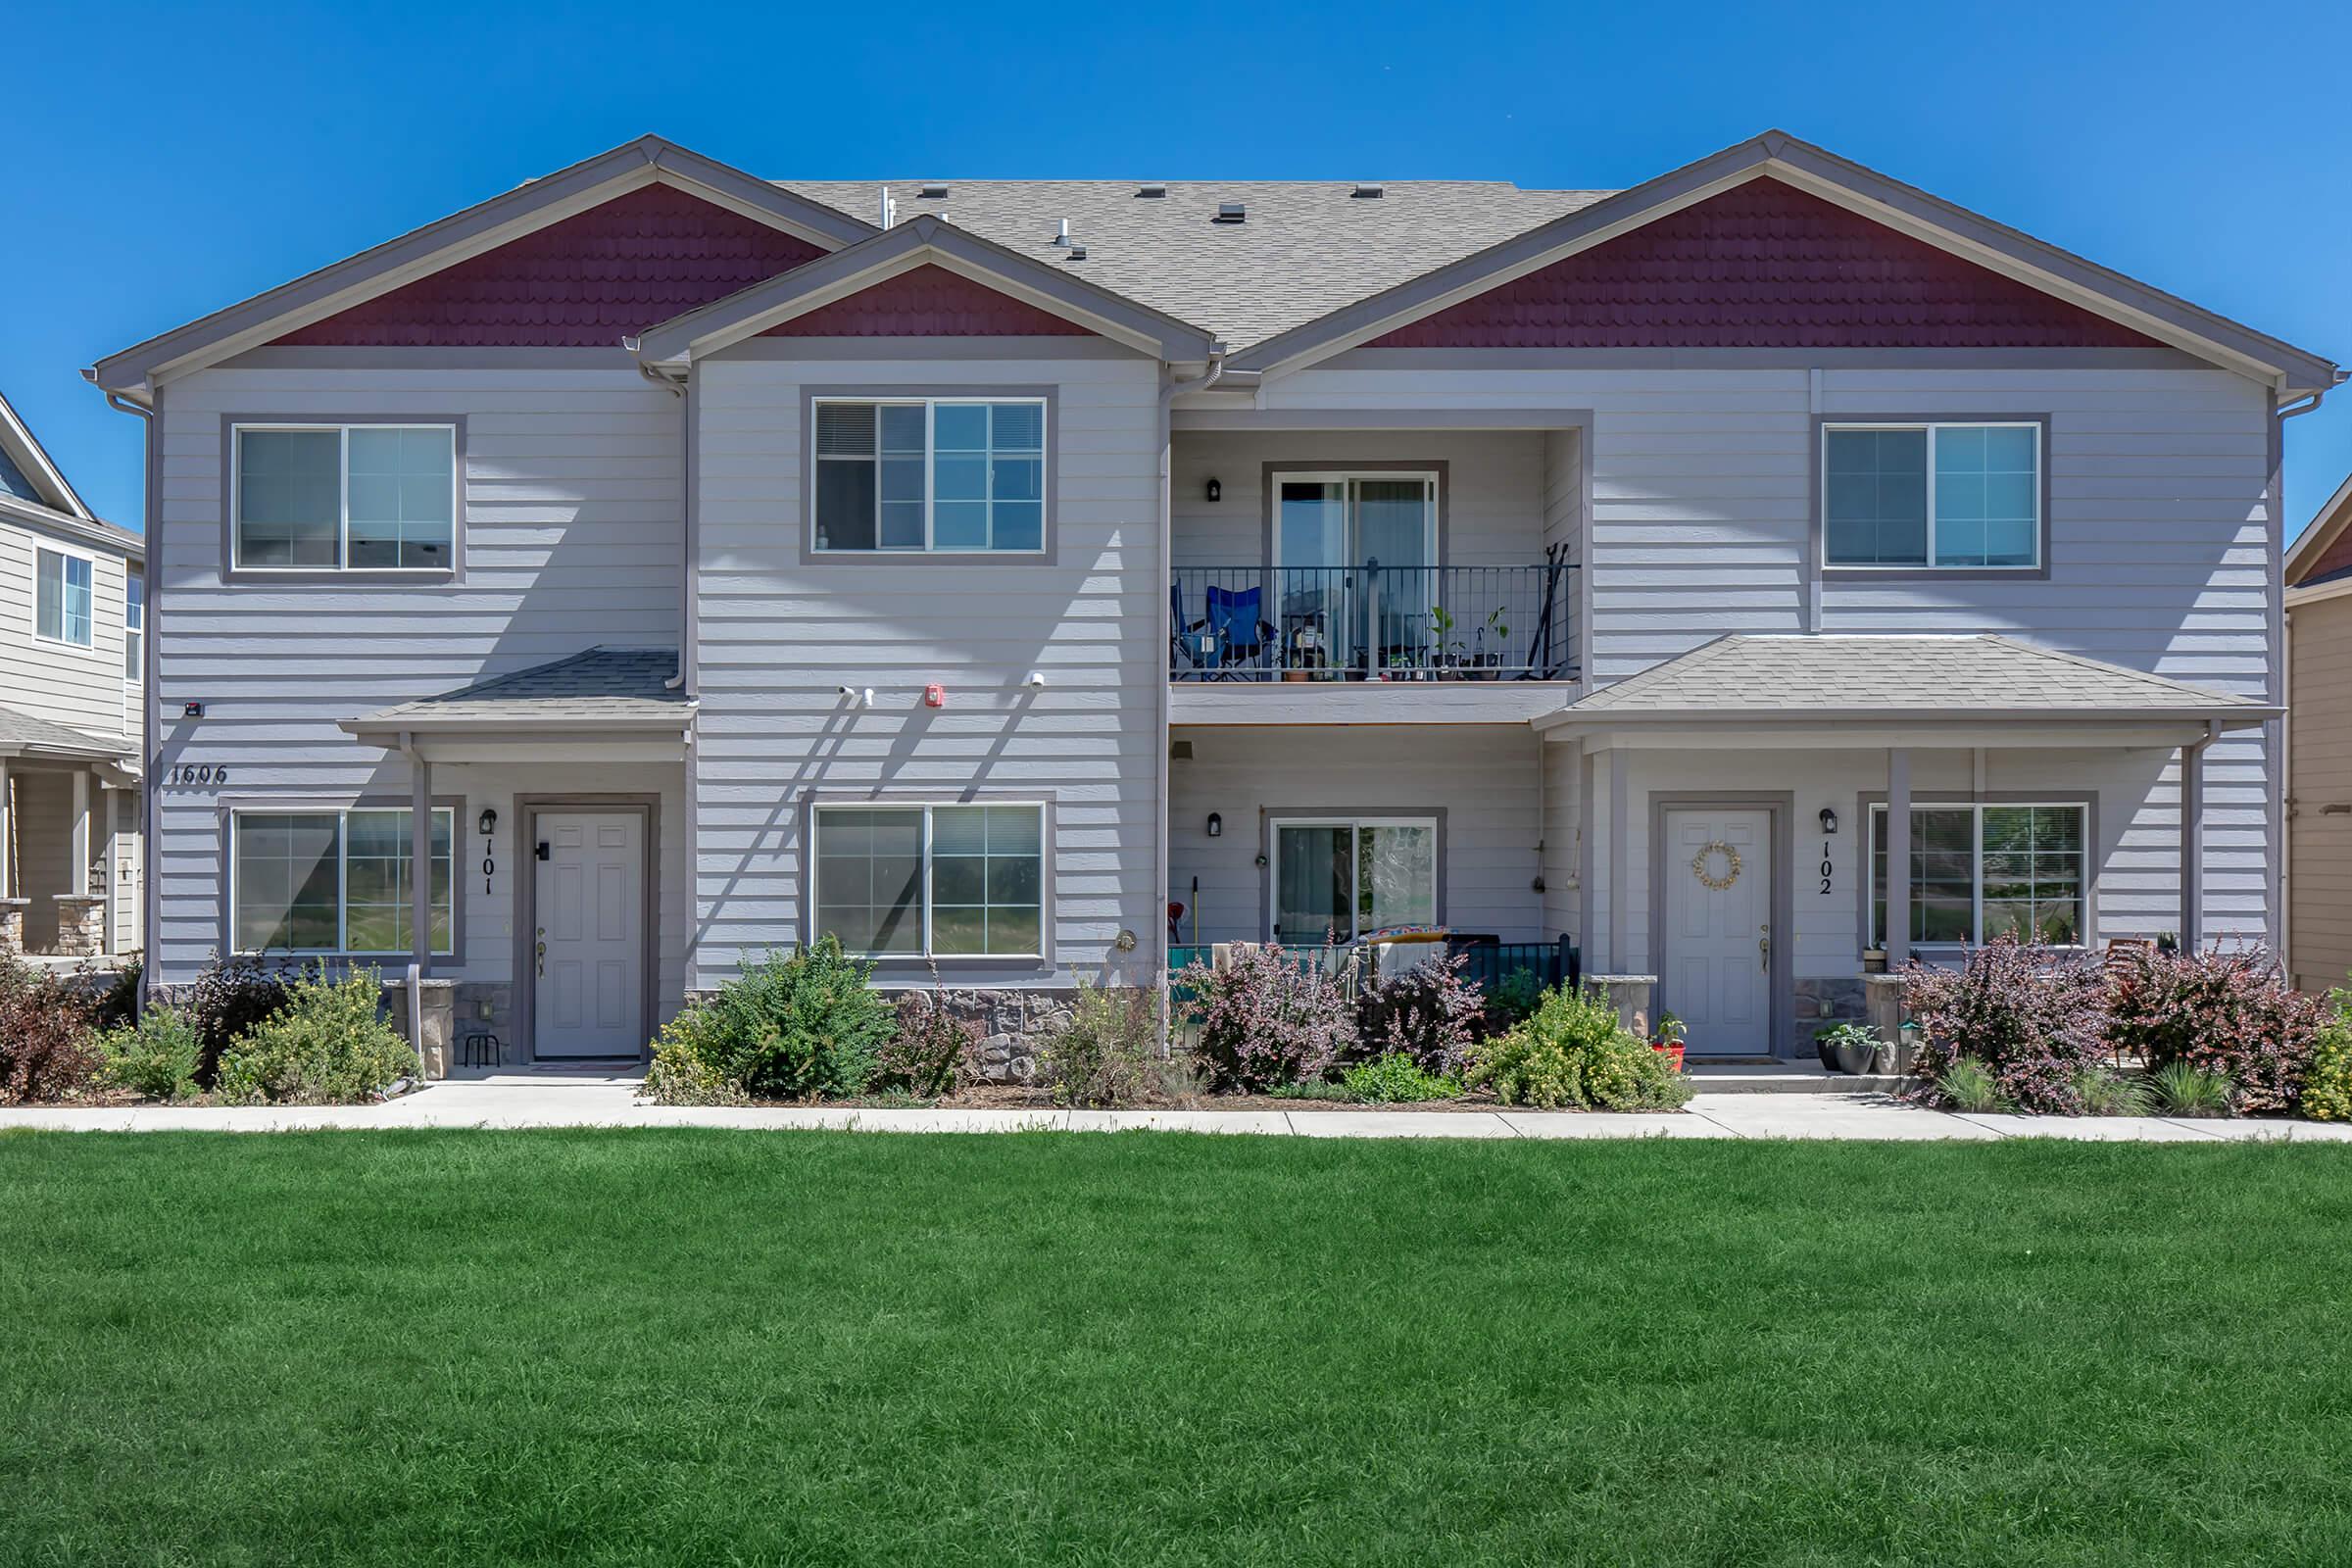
(334, 881)
(345, 497)
(61, 596)
(911, 474)
(1932, 495)
(1979, 872)
(945, 881)
(135, 623)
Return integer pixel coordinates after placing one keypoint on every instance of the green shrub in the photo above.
(2328, 1090)
(229, 1001)
(1512, 999)
(2186, 1089)
(120, 1005)
(1103, 1057)
(156, 1058)
(1572, 1051)
(1395, 1079)
(933, 1049)
(683, 1071)
(48, 1050)
(2108, 1093)
(802, 1026)
(327, 1046)
(1967, 1084)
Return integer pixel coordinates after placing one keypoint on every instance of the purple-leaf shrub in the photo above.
(2030, 1015)
(1429, 1012)
(2226, 1013)
(1266, 1019)
(48, 1045)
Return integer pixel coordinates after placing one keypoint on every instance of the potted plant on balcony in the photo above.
(1447, 651)
(1485, 665)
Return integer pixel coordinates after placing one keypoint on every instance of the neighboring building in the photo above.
(2319, 727)
(71, 691)
(977, 581)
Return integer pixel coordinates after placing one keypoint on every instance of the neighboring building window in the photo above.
(1932, 495)
(135, 623)
(1336, 879)
(357, 497)
(947, 881)
(333, 881)
(1982, 872)
(62, 597)
(930, 474)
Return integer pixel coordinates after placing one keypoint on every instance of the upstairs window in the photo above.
(135, 623)
(346, 498)
(912, 475)
(61, 597)
(1932, 495)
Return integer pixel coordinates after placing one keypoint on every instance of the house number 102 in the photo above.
(1824, 868)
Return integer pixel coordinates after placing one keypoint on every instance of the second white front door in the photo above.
(1716, 971)
(589, 945)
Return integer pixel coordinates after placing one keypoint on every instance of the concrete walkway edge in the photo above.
(609, 1101)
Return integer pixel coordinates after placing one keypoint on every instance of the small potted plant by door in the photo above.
(1670, 1039)
(1851, 1048)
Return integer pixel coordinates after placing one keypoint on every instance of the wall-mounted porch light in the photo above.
(1216, 825)
(1829, 820)
(488, 822)
(1217, 491)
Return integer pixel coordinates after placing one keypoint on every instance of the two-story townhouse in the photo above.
(72, 684)
(659, 564)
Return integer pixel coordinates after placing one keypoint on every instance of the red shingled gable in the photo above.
(928, 302)
(2334, 559)
(586, 282)
(1763, 265)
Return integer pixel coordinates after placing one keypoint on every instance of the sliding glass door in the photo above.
(1336, 880)
(1329, 526)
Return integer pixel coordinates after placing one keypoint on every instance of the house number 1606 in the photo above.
(197, 773)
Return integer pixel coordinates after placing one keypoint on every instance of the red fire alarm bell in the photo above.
(935, 697)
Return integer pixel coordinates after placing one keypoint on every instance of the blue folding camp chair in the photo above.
(1242, 634)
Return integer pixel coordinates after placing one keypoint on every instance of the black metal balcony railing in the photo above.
(1372, 623)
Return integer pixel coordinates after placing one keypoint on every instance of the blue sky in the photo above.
(173, 160)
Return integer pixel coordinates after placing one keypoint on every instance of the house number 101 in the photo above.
(1824, 868)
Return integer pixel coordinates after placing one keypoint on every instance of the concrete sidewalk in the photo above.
(544, 1099)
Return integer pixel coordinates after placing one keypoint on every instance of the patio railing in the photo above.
(1372, 623)
(1485, 964)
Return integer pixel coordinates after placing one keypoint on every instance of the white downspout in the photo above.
(1167, 521)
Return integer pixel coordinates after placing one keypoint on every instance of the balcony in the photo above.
(1346, 637)
(1372, 623)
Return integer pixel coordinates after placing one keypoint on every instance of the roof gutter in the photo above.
(1160, 818)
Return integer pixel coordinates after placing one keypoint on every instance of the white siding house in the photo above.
(1044, 600)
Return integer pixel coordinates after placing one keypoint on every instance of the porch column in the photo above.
(1898, 856)
(8, 833)
(2193, 844)
(109, 862)
(421, 865)
(77, 869)
(1619, 891)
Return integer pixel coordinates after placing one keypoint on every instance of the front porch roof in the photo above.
(1818, 681)
(22, 735)
(604, 692)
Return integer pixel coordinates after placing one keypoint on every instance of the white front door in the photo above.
(1715, 975)
(589, 998)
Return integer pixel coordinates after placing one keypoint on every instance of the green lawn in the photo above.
(704, 1348)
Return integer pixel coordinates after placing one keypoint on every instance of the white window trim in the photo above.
(342, 814)
(134, 669)
(1976, 913)
(930, 406)
(1274, 827)
(1931, 426)
(1044, 890)
(1350, 477)
(236, 496)
(63, 553)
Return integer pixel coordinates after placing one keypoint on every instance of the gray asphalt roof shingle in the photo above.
(1773, 675)
(24, 732)
(1304, 249)
(601, 686)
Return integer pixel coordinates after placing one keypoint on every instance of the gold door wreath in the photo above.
(1698, 865)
